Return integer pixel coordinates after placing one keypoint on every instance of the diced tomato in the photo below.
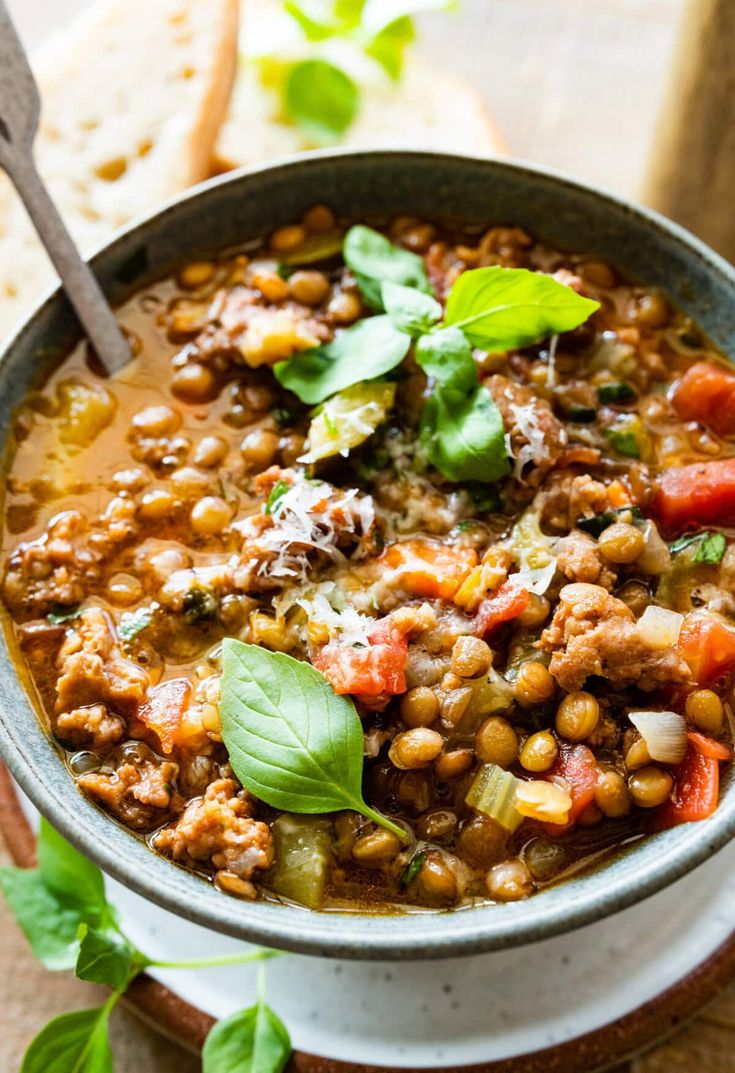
(163, 709)
(708, 646)
(577, 770)
(700, 494)
(506, 604)
(376, 668)
(706, 393)
(429, 569)
(695, 794)
(705, 746)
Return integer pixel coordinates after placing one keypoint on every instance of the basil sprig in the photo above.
(368, 349)
(291, 739)
(250, 1041)
(63, 911)
(461, 429)
(321, 98)
(501, 309)
(316, 95)
(710, 546)
(375, 260)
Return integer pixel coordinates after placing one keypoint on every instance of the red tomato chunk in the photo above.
(706, 393)
(700, 494)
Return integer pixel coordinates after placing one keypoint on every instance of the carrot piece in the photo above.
(706, 393)
(705, 746)
(506, 604)
(163, 710)
(702, 493)
(695, 794)
(708, 646)
(429, 569)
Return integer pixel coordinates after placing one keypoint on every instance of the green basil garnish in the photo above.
(321, 99)
(106, 957)
(275, 496)
(413, 868)
(72, 1043)
(502, 309)
(292, 741)
(446, 356)
(368, 349)
(59, 614)
(463, 435)
(410, 310)
(375, 260)
(133, 623)
(711, 547)
(251, 1041)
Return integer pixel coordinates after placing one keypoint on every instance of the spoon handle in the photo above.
(80, 283)
(19, 108)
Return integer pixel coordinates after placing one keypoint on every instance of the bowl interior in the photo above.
(243, 206)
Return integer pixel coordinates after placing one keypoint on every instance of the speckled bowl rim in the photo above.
(703, 282)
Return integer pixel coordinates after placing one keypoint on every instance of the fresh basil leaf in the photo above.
(599, 522)
(619, 392)
(463, 436)
(74, 880)
(107, 958)
(292, 741)
(277, 493)
(50, 927)
(250, 1041)
(684, 542)
(61, 614)
(410, 310)
(711, 549)
(374, 260)
(500, 309)
(446, 356)
(388, 46)
(624, 441)
(321, 99)
(368, 349)
(72, 1043)
(312, 26)
(413, 868)
(133, 623)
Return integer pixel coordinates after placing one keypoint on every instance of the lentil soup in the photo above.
(493, 542)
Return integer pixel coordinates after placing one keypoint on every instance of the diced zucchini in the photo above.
(493, 793)
(303, 855)
(348, 419)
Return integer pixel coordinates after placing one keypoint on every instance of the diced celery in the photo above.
(348, 419)
(303, 854)
(493, 793)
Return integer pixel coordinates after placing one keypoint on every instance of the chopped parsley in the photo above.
(277, 493)
(711, 547)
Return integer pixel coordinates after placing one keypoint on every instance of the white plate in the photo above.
(500, 1005)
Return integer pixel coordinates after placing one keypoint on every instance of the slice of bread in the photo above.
(427, 109)
(134, 93)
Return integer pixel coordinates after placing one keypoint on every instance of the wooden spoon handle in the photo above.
(691, 172)
(19, 110)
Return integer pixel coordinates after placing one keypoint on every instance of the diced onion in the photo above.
(660, 627)
(546, 802)
(655, 558)
(493, 793)
(665, 735)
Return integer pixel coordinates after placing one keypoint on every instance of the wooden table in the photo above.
(576, 84)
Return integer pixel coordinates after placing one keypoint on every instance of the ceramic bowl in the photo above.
(243, 206)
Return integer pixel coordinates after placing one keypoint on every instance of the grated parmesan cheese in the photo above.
(310, 517)
(536, 449)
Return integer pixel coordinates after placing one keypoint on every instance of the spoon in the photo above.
(20, 106)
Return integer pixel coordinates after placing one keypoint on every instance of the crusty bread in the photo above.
(133, 95)
(427, 109)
